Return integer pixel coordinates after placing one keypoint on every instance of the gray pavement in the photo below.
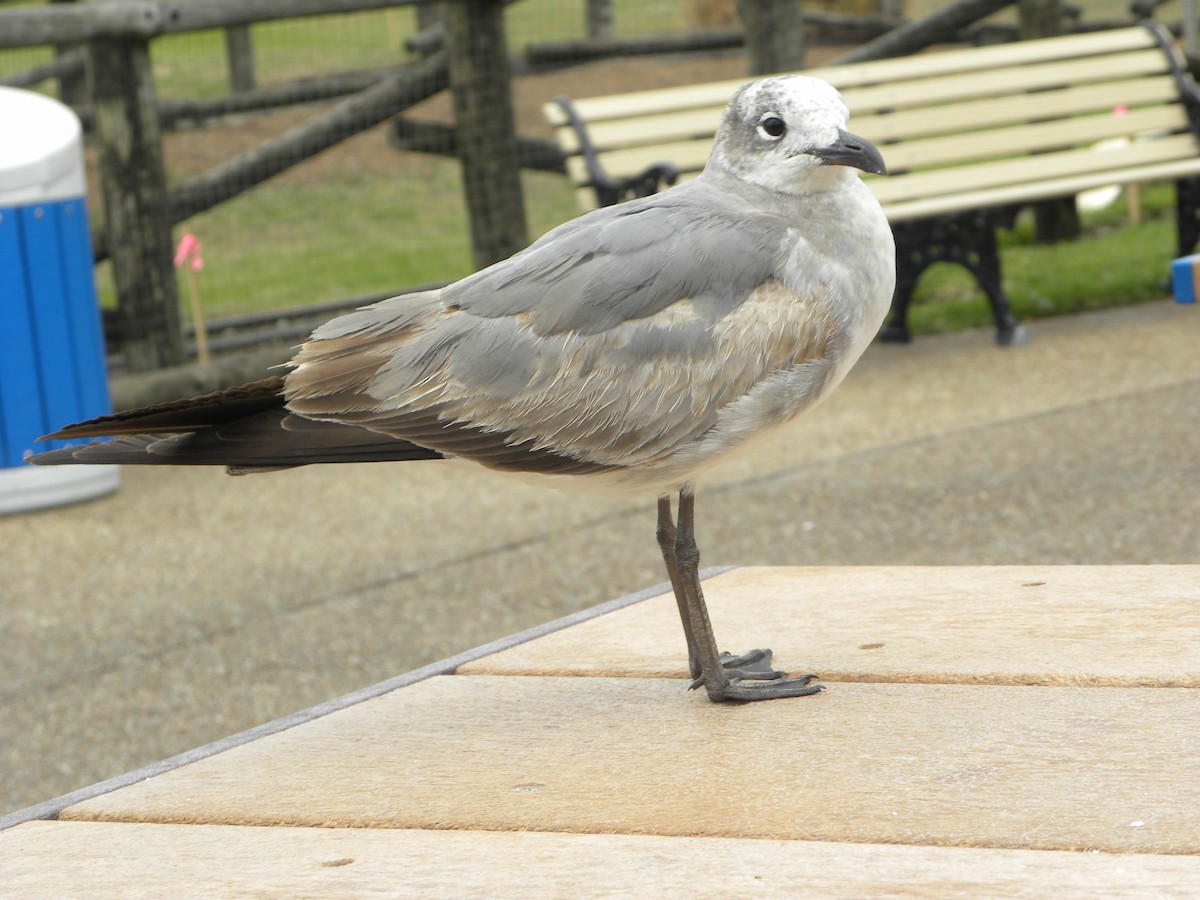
(191, 605)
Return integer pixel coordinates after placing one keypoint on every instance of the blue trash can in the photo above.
(52, 368)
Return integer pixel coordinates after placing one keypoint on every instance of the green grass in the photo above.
(553, 20)
(288, 243)
(1114, 263)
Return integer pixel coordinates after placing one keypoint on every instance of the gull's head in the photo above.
(788, 134)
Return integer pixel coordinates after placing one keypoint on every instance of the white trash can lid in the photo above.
(41, 153)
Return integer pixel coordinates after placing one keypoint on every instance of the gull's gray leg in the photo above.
(745, 677)
(756, 663)
(666, 543)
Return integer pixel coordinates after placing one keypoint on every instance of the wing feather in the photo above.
(613, 342)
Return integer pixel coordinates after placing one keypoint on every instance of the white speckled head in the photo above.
(788, 133)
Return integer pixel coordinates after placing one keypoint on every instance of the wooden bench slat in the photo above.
(1043, 136)
(1016, 767)
(690, 156)
(965, 624)
(633, 132)
(1005, 82)
(903, 124)
(586, 198)
(912, 123)
(119, 859)
(687, 156)
(975, 59)
(648, 103)
(1025, 193)
(1025, 170)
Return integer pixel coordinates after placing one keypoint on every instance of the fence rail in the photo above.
(77, 22)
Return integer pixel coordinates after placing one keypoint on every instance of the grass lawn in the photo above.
(288, 243)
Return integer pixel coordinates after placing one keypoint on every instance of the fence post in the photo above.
(133, 184)
(599, 20)
(239, 51)
(774, 35)
(891, 9)
(429, 15)
(72, 86)
(484, 127)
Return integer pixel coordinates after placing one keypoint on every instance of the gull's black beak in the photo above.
(852, 150)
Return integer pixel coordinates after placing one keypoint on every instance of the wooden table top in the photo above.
(986, 731)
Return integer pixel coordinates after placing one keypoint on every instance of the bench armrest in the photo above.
(611, 190)
(1188, 92)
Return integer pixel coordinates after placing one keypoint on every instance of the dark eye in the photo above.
(772, 127)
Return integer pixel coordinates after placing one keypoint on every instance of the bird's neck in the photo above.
(779, 199)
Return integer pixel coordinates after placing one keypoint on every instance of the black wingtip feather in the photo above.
(178, 416)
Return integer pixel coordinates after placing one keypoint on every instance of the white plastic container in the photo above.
(52, 369)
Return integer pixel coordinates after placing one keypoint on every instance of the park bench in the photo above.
(969, 136)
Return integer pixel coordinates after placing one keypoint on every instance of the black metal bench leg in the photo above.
(908, 273)
(983, 261)
(1187, 214)
(969, 240)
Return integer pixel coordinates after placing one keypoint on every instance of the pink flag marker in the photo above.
(189, 252)
(189, 248)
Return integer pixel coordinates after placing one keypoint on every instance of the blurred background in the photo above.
(299, 197)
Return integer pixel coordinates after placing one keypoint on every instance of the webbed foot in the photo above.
(753, 664)
(745, 690)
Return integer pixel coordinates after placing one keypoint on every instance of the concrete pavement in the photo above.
(190, 605)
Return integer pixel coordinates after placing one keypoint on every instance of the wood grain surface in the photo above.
(1110, 769)
(1048, 625)
(103, 860)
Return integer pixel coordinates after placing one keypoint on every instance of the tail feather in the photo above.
(247, 429)
(178, 416)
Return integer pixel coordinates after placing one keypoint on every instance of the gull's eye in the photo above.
(772, 127)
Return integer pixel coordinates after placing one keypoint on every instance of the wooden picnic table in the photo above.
(987, 730)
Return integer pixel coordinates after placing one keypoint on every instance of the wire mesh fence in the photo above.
(316, 159)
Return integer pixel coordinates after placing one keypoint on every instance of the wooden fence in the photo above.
(127, 127)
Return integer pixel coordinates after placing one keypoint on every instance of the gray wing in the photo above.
(612, 341)
(629, 262)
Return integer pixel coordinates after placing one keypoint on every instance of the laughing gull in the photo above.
(626, 351)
